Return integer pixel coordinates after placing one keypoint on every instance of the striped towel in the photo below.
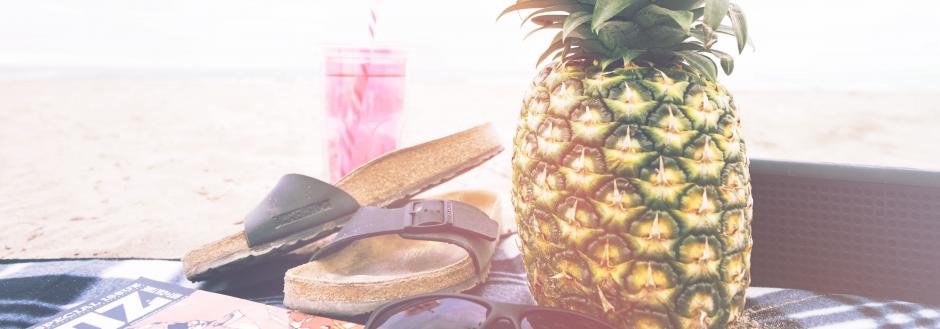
(33, 291)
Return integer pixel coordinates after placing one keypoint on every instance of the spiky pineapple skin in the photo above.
(632, 196)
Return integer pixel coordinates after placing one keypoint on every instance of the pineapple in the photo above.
(630, 176)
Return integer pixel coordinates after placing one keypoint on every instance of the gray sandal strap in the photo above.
(432, 220)
(297, 203)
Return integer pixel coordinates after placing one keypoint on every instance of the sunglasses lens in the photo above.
(442, 313)
(559, 320)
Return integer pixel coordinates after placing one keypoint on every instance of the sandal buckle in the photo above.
(428, 215)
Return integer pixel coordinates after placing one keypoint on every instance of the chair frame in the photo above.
(868, 231)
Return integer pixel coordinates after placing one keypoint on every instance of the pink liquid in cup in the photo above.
(365, 97)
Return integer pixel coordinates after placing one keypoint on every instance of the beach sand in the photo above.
(153, 167)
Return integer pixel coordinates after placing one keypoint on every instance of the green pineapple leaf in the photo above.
(582, 32)
(535, 13)
(606, 62)
(565, 51)
(727, 62)
(531, 4)
(556, 45)
(567, 8)
(573, 21)
(724, 29)
(548, 19)
(664, 36)
(630, 55)
(662, 32)
(739, 25)
(593, 46)
(627, 58)
(690, 45)
(699, 32)
(678, 4)
(604, 10)
(653, 15)
(700, 63)
(715, 11)
(698, 13)
(617, 35)
(553, 26)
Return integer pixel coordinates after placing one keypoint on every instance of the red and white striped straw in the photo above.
(359, 108)
(372, 23)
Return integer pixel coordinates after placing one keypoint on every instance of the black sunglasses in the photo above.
(459, 311)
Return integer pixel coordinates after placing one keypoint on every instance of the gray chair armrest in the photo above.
(847, 229)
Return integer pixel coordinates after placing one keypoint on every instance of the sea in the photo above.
(840, 45)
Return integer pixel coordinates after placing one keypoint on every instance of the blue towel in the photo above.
(33, 291)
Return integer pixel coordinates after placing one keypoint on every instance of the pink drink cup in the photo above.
(365, 92)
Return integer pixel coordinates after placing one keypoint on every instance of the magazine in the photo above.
(148, 304)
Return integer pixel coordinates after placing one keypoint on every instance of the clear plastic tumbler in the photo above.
(365, 92)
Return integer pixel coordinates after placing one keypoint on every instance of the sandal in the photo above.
(301, 209)
(381, 255)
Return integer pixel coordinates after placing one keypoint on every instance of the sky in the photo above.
(800, 44)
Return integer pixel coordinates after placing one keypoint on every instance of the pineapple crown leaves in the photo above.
(658, 32)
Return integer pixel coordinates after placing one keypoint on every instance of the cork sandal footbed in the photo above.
(394, 176)
(371, 272)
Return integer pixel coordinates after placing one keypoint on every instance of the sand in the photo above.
(152, 167)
